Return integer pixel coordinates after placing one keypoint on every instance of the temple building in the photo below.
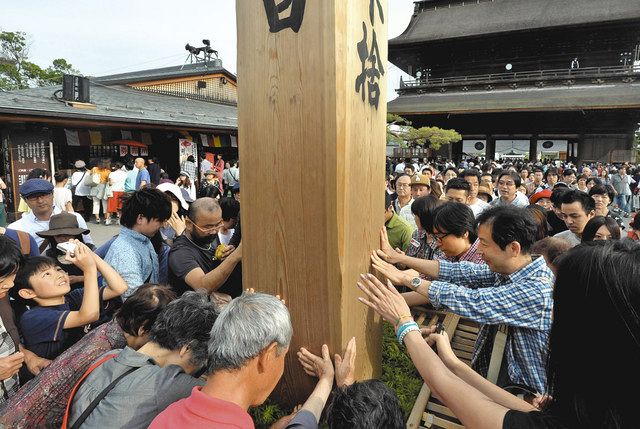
(167, 113)
(524, 79)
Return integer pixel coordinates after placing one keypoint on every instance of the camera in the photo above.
(67, 247)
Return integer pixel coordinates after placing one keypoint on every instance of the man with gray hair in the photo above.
(247, 349)
(195, 260)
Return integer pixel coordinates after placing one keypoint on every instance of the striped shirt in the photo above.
(471, 255)
(522, 301)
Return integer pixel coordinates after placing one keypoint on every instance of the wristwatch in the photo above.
(416, 282)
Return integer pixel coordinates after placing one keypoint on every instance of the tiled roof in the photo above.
(120, 103)
(172, 72)
(500, 16)
(530, 99)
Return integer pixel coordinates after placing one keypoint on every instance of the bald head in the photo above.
(202, 205)
(139, 163)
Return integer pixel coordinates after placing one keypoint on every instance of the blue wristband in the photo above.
(406, 331)
(405, 328)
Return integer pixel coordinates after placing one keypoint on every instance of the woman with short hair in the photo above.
(423, 243)
(603, 196)
(601, 228)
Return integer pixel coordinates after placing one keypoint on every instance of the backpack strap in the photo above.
(77, 385)
(43, 246)
(25, 242)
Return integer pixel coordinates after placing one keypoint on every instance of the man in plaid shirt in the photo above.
(511, 289)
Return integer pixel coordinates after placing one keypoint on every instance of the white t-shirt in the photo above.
(478, 207)
(61, 196)
(226, 238)
(117, 179)
(77, 180)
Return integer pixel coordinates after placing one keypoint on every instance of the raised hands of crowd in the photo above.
(384, 299)
(346, 366)
(320, 367)
(387, 269)
(386, 252)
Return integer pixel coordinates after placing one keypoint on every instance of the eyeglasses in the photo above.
(502, 183)
(35, 197)
(402, 185)
(441, 236)
(211, 229)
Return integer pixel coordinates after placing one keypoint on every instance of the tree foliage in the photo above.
(17, 72)
(400, 131)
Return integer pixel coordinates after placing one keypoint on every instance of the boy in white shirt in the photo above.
(62, 196)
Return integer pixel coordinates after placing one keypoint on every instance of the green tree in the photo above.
(17, 72)
(401, 132)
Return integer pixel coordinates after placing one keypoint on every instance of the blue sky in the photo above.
(116, 36)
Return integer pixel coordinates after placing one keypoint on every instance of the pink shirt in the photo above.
(200, 411)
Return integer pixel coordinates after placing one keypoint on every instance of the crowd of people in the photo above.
(154, 327)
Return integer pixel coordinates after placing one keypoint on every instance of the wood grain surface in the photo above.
(312, 156)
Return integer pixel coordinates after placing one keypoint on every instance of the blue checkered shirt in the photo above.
(522, 300)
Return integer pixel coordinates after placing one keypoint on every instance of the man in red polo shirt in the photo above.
(247, 350)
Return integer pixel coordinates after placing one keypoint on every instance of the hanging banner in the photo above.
(95, 137)
(124, 150)
(186, 148)
(72, 137)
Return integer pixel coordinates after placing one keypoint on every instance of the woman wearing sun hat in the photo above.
(185, 182)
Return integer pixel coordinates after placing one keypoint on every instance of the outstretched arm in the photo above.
(116, 285)
(90, 308)
(470, 405)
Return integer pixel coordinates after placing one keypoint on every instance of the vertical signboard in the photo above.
(29, 150)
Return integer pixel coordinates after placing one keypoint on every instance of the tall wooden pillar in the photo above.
(533, 148)
(312, 117)
(491, 148)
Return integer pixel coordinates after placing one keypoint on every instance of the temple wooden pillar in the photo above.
(533, 148)
(491, 148)
(312, 126)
